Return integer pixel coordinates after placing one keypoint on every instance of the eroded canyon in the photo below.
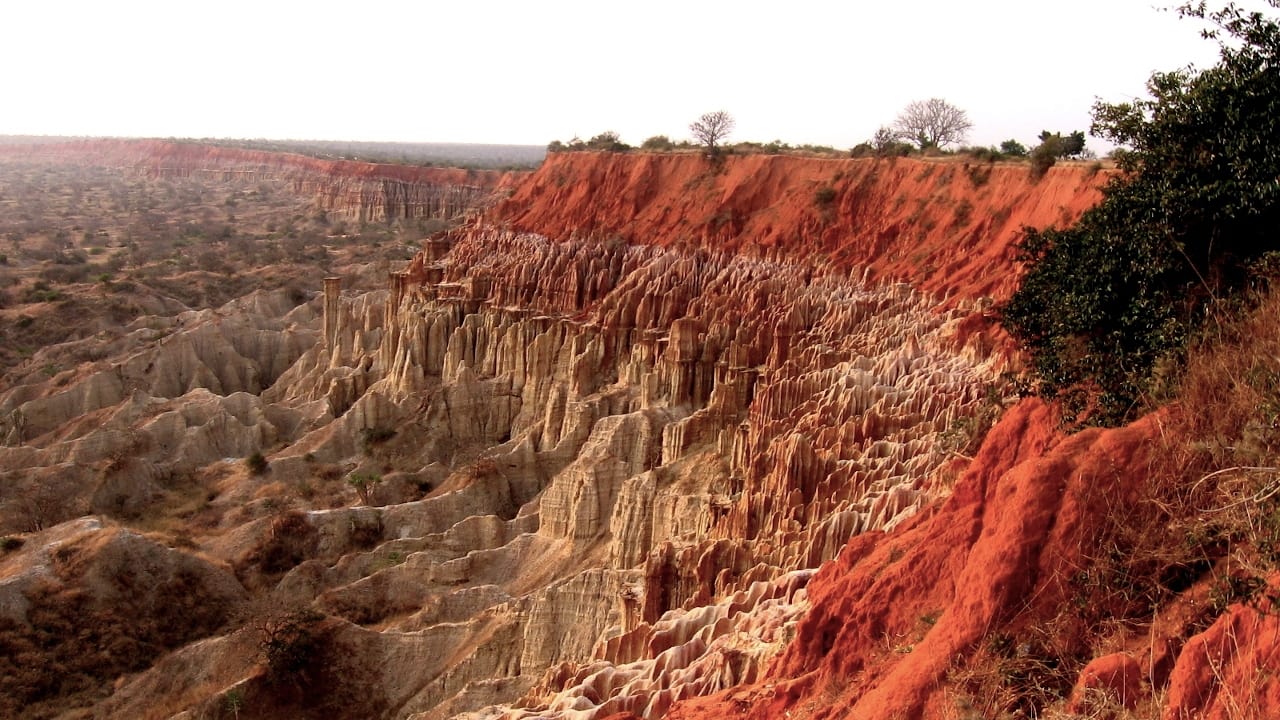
(583, 455)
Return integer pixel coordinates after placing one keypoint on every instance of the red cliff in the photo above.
(948, 226)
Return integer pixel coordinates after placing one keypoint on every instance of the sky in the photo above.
(493, 71)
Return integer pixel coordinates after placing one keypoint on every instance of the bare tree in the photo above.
(932, 123)
(712, 128)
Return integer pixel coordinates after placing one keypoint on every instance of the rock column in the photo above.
(332, 292)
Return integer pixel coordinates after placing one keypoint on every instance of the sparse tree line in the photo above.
(926, 127)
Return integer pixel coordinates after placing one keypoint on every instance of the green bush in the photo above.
(364, 483)
(1177, 235)
(982, 154)
(607, 141)
(861, 150)
(1013, 148)
(1043, 157)
(657, 143)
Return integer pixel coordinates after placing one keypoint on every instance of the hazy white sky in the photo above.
(528, 72)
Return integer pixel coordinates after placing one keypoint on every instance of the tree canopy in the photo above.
(1103, 302)
(712, 128)
(932, 123)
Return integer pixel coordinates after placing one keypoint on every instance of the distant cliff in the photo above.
(360, 190)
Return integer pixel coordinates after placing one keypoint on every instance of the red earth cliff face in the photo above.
(1008, 533)
(989, 563)
(946, 226)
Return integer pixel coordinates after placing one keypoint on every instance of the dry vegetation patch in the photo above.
(1169, 554)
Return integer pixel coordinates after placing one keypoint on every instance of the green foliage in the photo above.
(364, 483)
(1106, 299)
(1013, 148)
(657, 143)
(1042, 158)
(861, 150)
(1052, 147)
(824, 196)
(888, 143)
(982, 154)
(607, 141)
(1067, 146)
(233, 701)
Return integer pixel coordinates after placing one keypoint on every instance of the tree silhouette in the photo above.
(711, 129)
(932, 123)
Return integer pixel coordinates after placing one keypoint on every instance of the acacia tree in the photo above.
(711, 129)
(932, 123)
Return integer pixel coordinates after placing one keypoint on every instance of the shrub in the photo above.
(1013, 148)
(824, 196)
(983, 154)
(1043, 157)
(863, 149)
(607, 141)
(979, 175)
(364, 483)
(9, 543)
(370, 438)
(287, 644)
(256, 463)
(658, 143)
(290, 540)
(1105, 302)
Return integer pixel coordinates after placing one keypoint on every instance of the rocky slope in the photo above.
(607, 434)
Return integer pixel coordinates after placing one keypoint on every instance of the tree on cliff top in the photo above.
(712, 128)
(1188, 225)
(932, 123)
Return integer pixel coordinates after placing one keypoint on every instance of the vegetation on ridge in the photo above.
(1107, 305)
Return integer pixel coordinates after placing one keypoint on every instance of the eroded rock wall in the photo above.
(619, 422)
(688, 425)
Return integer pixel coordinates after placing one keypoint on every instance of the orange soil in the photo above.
(993, 558)
(947, 226)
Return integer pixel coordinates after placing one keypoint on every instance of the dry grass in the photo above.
(1205, 521)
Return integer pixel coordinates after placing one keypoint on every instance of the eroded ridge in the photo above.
(606, 470)
(667, 428)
